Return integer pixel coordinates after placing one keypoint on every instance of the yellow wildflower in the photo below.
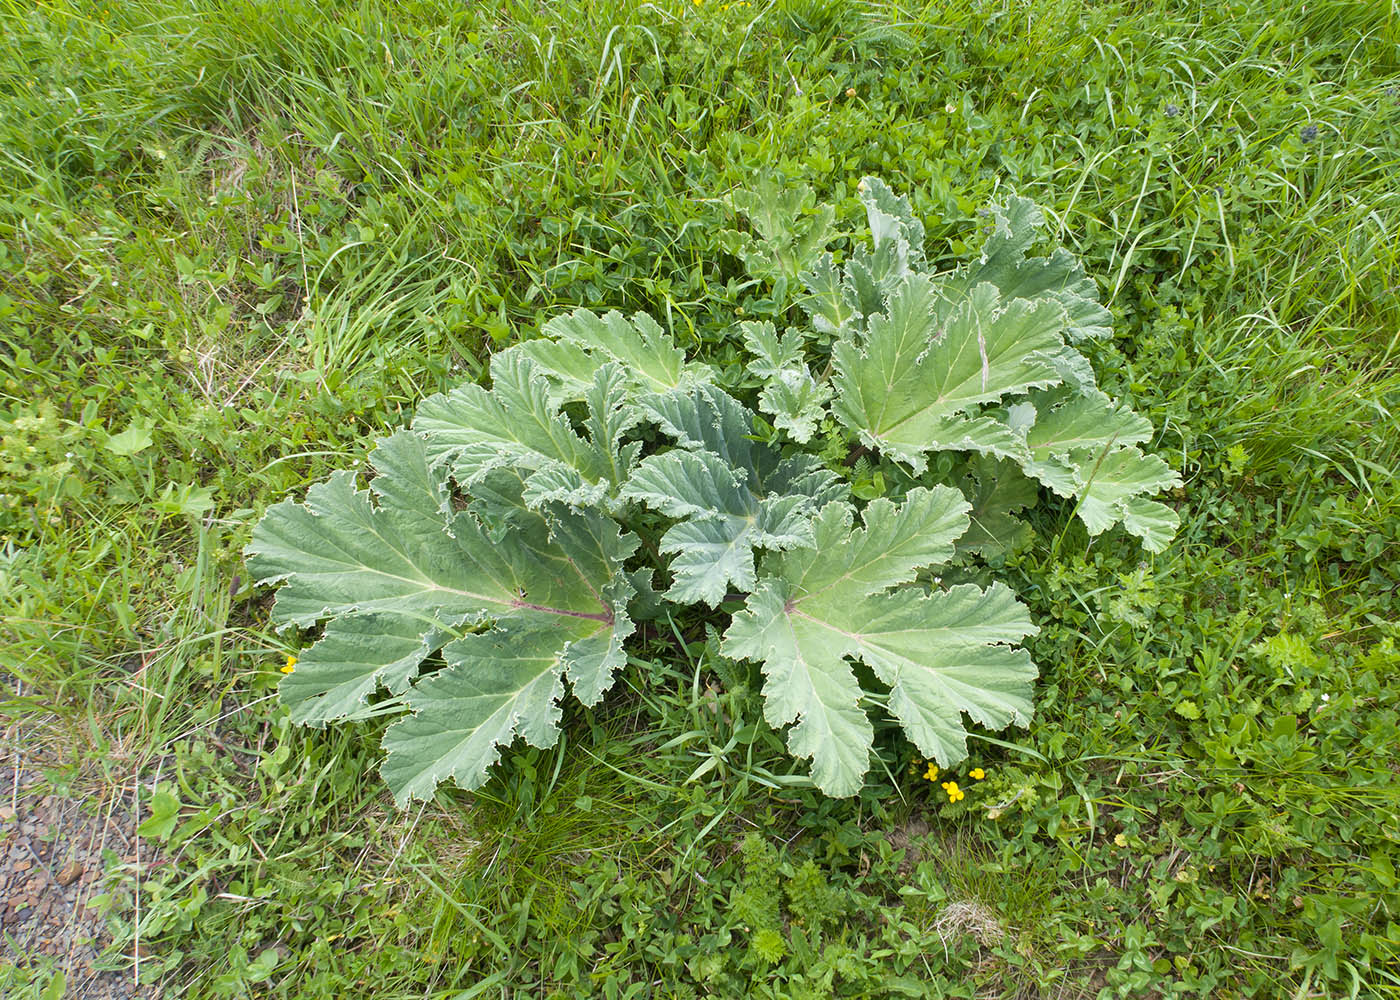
(977, 774)
(955, 793)
(1120, 841)
(290, 665)
(932, 773)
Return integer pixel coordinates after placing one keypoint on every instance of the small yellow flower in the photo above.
(290, 665)
(1120, 841)
(977, 774)
(932, 773)
(850, 91)
(955, 793)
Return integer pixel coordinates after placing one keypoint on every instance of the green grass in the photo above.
(239, 240)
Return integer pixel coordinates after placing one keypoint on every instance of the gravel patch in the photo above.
(51, 867)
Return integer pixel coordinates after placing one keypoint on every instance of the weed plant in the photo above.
(240, 239)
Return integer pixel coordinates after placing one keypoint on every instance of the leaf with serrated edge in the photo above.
(891, 218)
(706, 417)
(495, 686)
(1059, 276)
(815, 607)
(1068, 421)
(515, 425)
(1110, 480)
(948, 653)
(725, 519)
(997, 490)
(487, 533)
(1155, 523)
(649, 357)
(807, 682)
(772, 352)
(378, 574)
(796, 402)
(829, 302)
(791, 232)
(902, 388)
(790, 395)
(358, 654)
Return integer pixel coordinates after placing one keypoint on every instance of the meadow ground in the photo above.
(240, 240)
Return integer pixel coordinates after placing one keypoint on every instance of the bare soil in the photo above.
(53, 854)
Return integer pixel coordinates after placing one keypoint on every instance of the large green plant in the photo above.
(494, 558)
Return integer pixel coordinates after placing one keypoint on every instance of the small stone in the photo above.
(7, 813)
(23, 866)
(69, 873)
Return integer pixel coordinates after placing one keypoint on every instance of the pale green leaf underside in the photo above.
(1111, 480)
(947, 654)
(829, 302)
(1155, 523)
(807, 682)
(891, 219)
(1066, 422)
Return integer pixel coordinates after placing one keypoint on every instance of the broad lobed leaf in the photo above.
(573, 347)
(732, 494)
(395, 581)
(487, 568)
(913, 384)
(942, 653)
